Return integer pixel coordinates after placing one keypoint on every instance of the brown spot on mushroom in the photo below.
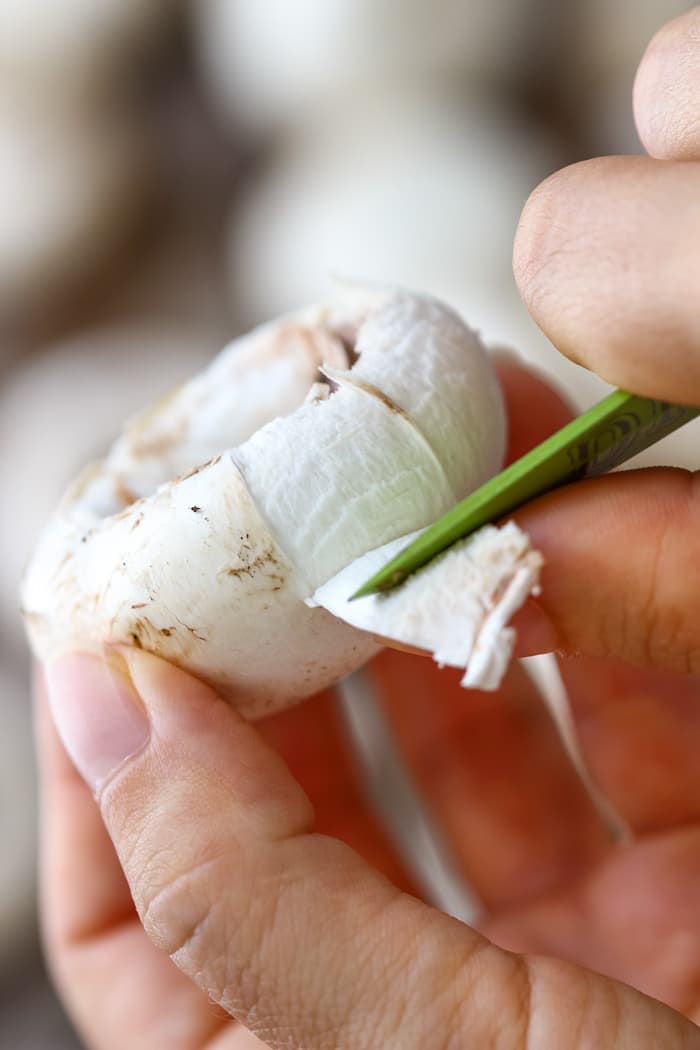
(127, 511)
(320, 343)
(347, 337)
(123, 494)
(369, 388)
(266, 563)
(188, 474)
(195, 632)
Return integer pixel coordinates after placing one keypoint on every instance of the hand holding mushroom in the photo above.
(297, 924)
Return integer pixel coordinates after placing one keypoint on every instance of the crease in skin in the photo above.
(276, 492)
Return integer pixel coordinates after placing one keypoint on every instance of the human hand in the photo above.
(296, 932)
(299, 935)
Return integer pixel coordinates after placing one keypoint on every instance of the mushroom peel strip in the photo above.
(457, 608)
(214, 570)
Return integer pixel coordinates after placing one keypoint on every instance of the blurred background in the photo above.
(172, 172)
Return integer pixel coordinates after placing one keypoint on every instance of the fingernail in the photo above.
(97, 713)
(535, 631)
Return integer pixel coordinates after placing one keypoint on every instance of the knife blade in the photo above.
(600, 439)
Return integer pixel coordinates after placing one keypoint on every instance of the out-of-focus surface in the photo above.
(172, 172)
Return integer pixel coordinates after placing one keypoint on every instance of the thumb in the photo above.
(290, 931)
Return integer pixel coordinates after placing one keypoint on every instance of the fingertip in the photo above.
(558, 232)
(606, 262)
(532, 236)
(536, 632)
(557, 227)
(665, 96)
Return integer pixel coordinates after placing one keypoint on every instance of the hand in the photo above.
(300, 936)
(297, 933)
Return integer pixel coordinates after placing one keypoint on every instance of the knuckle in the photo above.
(507, 1027)
(176, 907)
(192, 917)
(221, 933)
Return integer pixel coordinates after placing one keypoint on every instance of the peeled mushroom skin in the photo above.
(222, 570)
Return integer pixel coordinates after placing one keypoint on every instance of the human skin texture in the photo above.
(237, 863)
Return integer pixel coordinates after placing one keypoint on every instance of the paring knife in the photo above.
(604, 437)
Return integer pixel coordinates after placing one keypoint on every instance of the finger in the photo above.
(607, 261)
(620, 573)
(74, 845)
(113, 981)
(666, 95)
(467, 750)
(495, 776)
(635, 918)
(639, 732)
(291, 931)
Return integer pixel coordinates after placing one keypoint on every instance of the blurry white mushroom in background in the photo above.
(62, 408)
(66, 51)
(421, 191)
(270, 64)
(71, 194)
(76, 153)
(17, 817)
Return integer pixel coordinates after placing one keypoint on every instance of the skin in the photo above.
(230, 864)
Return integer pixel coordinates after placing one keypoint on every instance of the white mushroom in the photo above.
(66, 51)
(223, 570)
(269, 64)
(422, 191)
(81, 387)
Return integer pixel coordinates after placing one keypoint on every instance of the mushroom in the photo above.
(422, 191)
(71, 193)
(67, 52)
(270, 65)
(301, 451)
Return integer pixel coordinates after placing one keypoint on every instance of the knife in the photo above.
(603, 437)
